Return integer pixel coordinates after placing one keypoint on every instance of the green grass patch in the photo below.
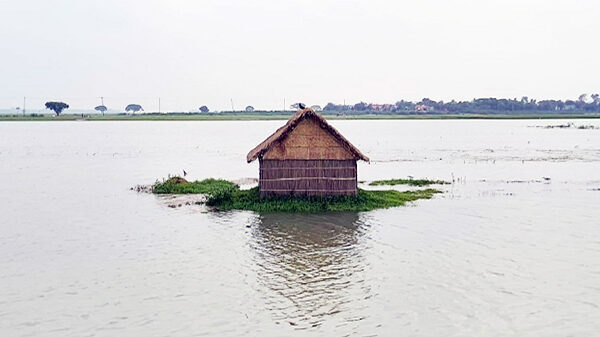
(365, 201)
(410, 182)
(223, 195)
(178, 185)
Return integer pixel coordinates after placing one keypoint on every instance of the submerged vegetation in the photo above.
(569, 126)
(224, 195)
(410, 182)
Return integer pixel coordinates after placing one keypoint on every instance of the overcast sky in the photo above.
(192, 52)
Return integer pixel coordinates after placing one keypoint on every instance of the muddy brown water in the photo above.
(512, 248)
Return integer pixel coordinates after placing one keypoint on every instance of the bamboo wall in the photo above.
(322, 177)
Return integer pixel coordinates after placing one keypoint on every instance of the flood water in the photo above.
(512, 248)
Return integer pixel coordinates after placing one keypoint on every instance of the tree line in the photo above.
(584, 103)
(59, 107)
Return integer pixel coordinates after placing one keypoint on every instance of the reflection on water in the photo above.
(311, 266)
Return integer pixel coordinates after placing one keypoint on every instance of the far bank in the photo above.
(234, 116)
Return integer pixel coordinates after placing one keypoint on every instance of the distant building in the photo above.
(308, 157)
(375, 107)
(422, 108)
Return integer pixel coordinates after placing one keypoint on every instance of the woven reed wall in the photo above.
(322, 177)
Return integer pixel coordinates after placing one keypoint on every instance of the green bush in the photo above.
(220, 195)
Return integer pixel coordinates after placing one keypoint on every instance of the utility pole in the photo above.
(284, 105)
(159, 105)
(24, 99)
(232, 109)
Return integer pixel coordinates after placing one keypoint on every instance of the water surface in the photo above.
(512, 248)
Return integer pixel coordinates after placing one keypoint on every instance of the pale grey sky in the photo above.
(191, 52)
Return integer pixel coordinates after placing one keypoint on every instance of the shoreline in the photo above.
(269, 117)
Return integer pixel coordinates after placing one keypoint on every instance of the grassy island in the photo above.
(224, 195)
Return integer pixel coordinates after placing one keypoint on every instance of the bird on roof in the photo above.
(302, 105)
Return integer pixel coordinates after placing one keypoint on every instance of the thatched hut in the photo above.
(308, 157)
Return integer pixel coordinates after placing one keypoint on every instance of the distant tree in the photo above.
(596, 99)
(405, 106)
(336, 107)
(329, 107)
(249, 108)
(431, 103)
(583, 98)
(57, 107)
(134, 107)
(295, 106)
(204, 109)
(362, 106)
(570, 105)
(101, 108)
(316, 107)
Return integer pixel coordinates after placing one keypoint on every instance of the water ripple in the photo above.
(311, 266)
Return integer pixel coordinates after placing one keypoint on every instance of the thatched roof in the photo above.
(285, 130)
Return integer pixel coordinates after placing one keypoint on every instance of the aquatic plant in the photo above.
(224, 195)
(364, 201)
(410, 182)
(569, 126)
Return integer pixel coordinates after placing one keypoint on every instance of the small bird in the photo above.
(301, 105)
(184, 173)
